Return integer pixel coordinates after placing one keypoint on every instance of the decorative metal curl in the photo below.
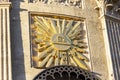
(66, 73)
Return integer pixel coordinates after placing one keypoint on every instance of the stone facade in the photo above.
(100, 19)
(5, 48)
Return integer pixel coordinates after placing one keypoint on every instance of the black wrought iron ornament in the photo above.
(65, 73)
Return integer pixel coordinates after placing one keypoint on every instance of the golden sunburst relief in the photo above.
(58, 42)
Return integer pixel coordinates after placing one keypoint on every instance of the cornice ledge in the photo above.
(5, 4)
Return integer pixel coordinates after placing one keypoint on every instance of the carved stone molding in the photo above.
(5, 4)
(4, 0)
(59, 41)
(75, 3)
(111, 7)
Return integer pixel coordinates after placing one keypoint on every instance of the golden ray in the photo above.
(45, 22)
(50, 49)
(42, 55)
(75, 42)
(60, 54)
(45, 52)
(82, 41)
(72, 62)
(42, 47)
(46, 31)
(40, 23)
(54, 26)
(48, 25)
(48, 43)
(76, 25)
(38, 50)
(39, 37)
(64, 30)
(40, 33)
(45, 37)
(76, 33)
(37, 33)
(81, 50)
(51, 59)
(63, 24)
(78, 38)
(82, 45)
(47, 46)
(80, 63)
(54, 53)
(41, 29)
(85, 52)
(45, 61)
(81, 56)
(50, 62)
(42, 44)
(79, 44)
(59, 26)
(44, 26)
(68, 26)
(74, 28)
(38, 40)
(57, 61)
(63, 60)
(34, 41)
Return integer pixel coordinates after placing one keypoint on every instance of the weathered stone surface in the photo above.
(5, 47)
(20, 36)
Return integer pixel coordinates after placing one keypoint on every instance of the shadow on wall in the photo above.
(18, 68)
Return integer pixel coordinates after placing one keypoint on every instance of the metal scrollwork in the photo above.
(66, 73)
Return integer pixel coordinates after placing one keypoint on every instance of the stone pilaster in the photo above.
(5, 50)
(110, 18)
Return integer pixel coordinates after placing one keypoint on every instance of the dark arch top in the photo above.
(65, 73)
